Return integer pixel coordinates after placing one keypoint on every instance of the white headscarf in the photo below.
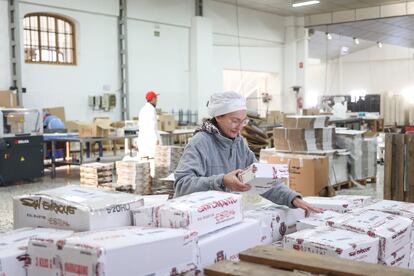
(225, 102)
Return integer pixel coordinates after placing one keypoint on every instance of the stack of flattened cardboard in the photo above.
(308, 174)
(363, 152)
(75, 208)
(301, 139)
(96, 174)
(308, 122)
(166, 161)
(133, 177)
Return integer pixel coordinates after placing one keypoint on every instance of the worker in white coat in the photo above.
(148, 136)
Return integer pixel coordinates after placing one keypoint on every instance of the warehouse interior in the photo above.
(109, 111)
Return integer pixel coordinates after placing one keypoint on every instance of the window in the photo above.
(49, 38)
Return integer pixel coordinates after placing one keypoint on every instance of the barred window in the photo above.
(49, 38)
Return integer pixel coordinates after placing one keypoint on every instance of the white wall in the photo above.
(387, 70)
(97, 61)
(5, 77)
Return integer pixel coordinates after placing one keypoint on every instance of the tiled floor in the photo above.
(67, 176)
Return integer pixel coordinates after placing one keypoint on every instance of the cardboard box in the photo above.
(8, 99)
(262, 176)
(147, 215)
(301, 139)
(400, 258)
(87, 130)
(103, 127)
(121, 252)
(393, 231)
(355, 201)
(316, 220)
(298, 121)
(329, 203)
(308, 174)
(227, 243)
(13, 247)
(275, 117)
(202, 212)
(310, 111)
(75, 208)
(58, 111)
(404, 209)
(167, 122)
(334, 242)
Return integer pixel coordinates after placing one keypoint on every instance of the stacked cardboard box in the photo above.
(134, 177)
(316, 220)
(75, 208)
(334, 242)
(393, 231)
(116, 252)
(356, 201)
(263, 177)
(308, 174)
(363, 152)
(96, 174)
(13, 248)
(329, 203)
(308, 122)
(301, 139)
(166, 161)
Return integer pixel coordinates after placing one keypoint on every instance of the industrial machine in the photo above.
(21, 144)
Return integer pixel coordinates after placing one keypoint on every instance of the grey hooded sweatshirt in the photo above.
(209, 156)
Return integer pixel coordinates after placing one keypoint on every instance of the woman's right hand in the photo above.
(232, 182)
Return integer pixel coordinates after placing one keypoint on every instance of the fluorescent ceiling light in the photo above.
(379, 44)
(305, 3)
(328, 36)
(356, 41)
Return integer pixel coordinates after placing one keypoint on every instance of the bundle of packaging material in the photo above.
(300, 139)
(227, 243)
(116, 252)
(316, 220)
(96, 174)
(334, 242)
(363, 152)
(202, 212)
(308, 174)
(13, 248)
(133, 176)
(165, 185)
(338, 167)
(262, 176)
(298, 121)
(75, 208)
(166, 161)
(393, 231)
(355, 201)
(329, 203)
(147, 215)
(276, 220)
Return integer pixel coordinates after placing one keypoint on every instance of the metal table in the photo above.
(84, 143)
(183, 134)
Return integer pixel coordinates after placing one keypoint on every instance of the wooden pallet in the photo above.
(343, 185)
(271, 260)
(368, 180)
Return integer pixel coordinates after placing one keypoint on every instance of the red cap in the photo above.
(150, 95)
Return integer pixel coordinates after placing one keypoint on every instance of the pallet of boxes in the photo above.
(307, 144)
(98, 175)
(133, 177)
(354, 236)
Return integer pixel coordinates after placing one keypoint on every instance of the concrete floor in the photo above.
(70, 176)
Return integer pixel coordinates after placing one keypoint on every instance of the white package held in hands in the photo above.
(75, 208)
(120, 252)
(334, 242)
(263, 177)
(393, 231)
(13, 248)
(203, 212)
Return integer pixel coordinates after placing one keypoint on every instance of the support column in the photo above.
(202, 70)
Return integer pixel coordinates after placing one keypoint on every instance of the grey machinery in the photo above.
(21, 144)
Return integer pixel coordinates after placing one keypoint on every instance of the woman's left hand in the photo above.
(300, 203)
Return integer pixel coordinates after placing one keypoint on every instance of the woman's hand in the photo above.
(232, 182)
(300, 203)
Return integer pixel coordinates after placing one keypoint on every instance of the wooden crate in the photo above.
(399, 167)
(271, 260)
